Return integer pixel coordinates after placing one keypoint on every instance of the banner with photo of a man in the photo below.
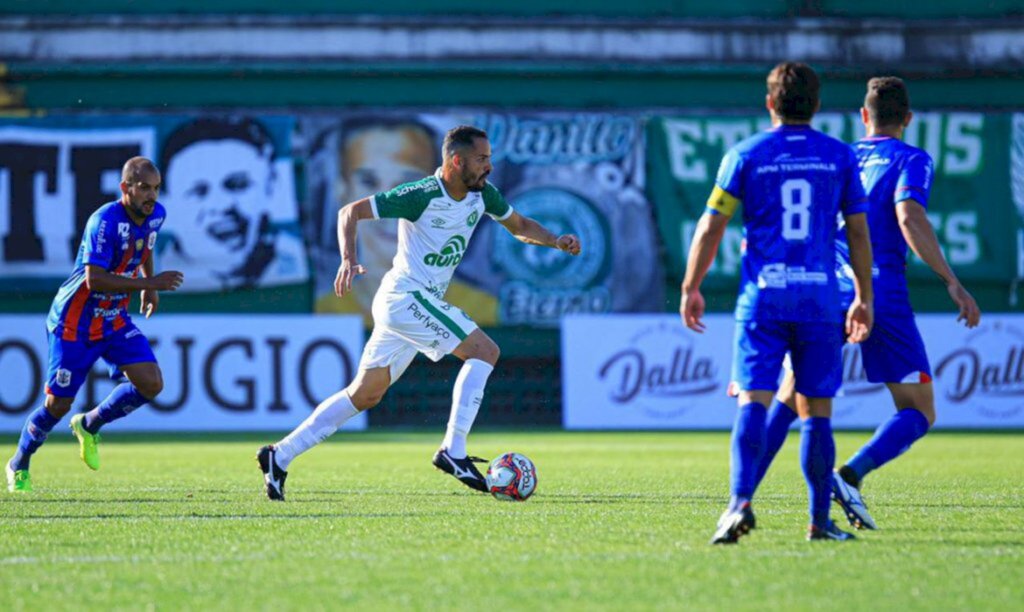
(228, 186)
(579, 173)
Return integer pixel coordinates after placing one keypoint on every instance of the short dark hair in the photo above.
(794, 90)
(887, 101)
(134, 167)
(459, 138)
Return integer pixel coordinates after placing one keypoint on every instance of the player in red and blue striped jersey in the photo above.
(792, 181)
(89, 320)
(898, 179)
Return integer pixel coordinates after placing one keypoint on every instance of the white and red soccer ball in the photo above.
(512, 477)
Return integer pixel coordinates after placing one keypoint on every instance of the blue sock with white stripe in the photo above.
(38, 424)
(121, 402)
(818, 457)
(891, 439)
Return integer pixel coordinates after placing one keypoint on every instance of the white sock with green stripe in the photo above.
(325, 420)
(466, 398)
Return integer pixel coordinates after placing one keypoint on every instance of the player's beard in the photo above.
(474, 183)
(142, 209)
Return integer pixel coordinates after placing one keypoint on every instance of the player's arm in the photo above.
(529, 231)
(706, 239)
(919, 234)
(348, 218)
(149, 299)
(99, 279)
(861, 315)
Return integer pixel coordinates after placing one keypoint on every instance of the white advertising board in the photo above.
(221, 372)
(649, 372)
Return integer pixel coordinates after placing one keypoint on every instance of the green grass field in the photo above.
(620, 520)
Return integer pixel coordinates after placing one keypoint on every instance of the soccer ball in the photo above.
(512, 477)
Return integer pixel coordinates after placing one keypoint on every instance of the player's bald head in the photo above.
(138, 168)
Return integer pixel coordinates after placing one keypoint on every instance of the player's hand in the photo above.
(166, 281)
(691, 309)
(568, 243)
(150, 301)
(970, 314)
(347, 271)
(860, 318)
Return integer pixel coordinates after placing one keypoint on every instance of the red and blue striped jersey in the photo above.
(117, 244)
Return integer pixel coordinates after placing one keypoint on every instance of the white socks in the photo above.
(466, 398)
(325, 420)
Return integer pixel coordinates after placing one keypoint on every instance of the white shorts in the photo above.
(405, 323)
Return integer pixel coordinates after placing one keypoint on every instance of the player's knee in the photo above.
(365, 398)
(486, 350)
(150, 387)
(58, 406)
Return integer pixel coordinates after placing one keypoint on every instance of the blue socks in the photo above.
(818, 456)
(748, 442)
(38, 424)
(121, 402)
(891, 440)
(780, 417)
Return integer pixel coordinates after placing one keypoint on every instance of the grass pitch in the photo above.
(620, 520)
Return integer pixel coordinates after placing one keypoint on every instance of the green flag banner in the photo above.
(971, 206)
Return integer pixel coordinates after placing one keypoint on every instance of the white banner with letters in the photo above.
(221, 372)
(649, 372)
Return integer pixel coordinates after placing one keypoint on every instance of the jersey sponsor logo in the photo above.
(780, 276)
(419, 186)
(473, 218)
(450, 255)
(428, 321)
(133, 333)
(124, 231)
(63, 377)
(105, 313)
(156, 223)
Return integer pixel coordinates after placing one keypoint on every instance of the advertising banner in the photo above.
(228, 186)
(221, 373)
(971, 206)
(649, 372)
(577, 173)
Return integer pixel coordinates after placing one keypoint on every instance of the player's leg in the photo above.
(759, 349)
(67, 368)
(817, 366)
(781, 415)
(479, 355)
(38, 425)
(130, 353)
(894, 354)
(915, 414)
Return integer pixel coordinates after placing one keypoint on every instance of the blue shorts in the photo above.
(70, 362)
(894, 352)
(816, 351)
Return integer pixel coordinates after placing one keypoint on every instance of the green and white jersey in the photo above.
(433, 231)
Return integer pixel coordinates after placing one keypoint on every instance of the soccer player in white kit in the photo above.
(438, 216)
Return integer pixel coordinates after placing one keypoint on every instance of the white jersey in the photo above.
(433, 231)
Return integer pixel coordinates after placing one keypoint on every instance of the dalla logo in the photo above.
(450, 255)
(990, 365)
(660, 366)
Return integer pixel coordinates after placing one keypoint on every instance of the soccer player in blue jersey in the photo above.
(792, 181)
(89, 320)
(898, 180)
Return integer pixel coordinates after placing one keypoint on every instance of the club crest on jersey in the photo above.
(473, 218)
(63, 377)
(450, 255)
(138, 244)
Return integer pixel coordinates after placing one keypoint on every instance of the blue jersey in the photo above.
(892, 172)
(115, 243)
(792, 182)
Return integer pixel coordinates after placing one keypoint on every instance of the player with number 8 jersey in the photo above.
(792, 182)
